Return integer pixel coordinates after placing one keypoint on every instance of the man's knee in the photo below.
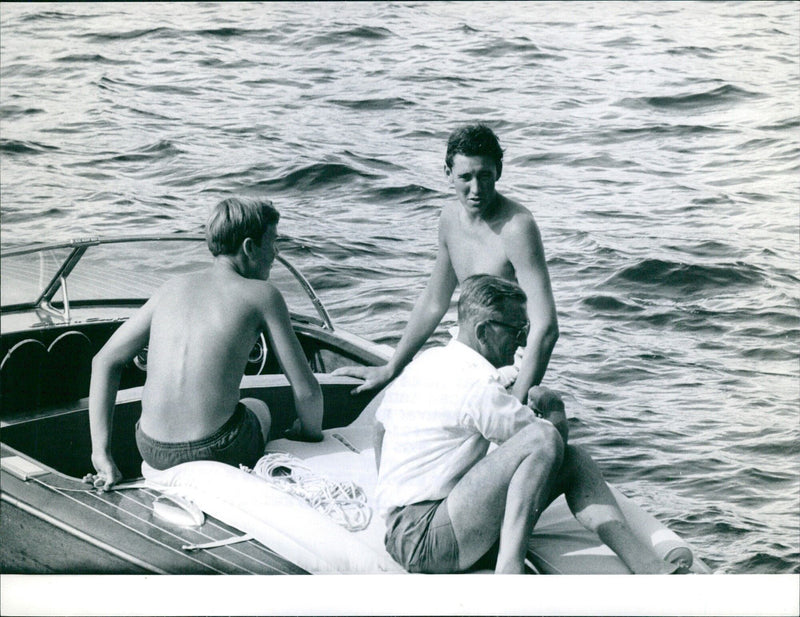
(544, 439)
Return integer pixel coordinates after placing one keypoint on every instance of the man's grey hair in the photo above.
(483, 296)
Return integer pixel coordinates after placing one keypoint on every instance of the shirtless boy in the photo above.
(484, 232)
(199, 329)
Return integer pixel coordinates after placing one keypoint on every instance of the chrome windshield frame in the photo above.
(80, 246)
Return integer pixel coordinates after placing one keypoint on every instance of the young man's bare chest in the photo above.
(477, 249)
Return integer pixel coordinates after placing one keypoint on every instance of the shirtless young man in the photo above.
(446, 501)
(199, 329)
(484, 232)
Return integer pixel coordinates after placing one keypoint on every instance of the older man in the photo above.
(445, 500)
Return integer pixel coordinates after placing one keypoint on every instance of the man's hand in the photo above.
(107, 473)
(296, 433)
(375, 377)
(548, 405)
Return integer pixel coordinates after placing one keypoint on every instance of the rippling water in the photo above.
(657, 145)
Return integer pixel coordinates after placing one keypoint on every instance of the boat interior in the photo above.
(45, 384)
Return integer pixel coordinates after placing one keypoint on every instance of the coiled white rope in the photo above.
(343, 501)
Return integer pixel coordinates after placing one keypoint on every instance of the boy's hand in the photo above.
(107, 473)
(296, 433)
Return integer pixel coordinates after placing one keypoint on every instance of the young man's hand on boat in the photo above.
(375, 377)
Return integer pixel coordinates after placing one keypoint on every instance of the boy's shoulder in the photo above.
(223, 283)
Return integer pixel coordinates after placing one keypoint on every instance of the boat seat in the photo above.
(68, 369)
(21, 373)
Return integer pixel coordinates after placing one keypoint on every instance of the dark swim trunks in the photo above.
(420, 538)
(238, 441)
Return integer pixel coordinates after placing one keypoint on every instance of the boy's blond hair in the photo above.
(235, 219)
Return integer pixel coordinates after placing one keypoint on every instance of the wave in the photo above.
(354, 35)
(610, 303)
(722, 95)
(792, 122)
(103, 37)
(659, 130)
(316, 175)
(14, 146)
(692, 50)
(154, 152)
(13, 111)
(374, 104)
(223, 32)
(769, 563)
(48, 15)
(708, 248)
(519, 51)
(687, 278)
(90, 58)
(410, 193)
(367, 32)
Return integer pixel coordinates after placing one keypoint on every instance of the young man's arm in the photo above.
(426, 315)
(305, 387)
(380, 431)
(526, 253)
(107, 367)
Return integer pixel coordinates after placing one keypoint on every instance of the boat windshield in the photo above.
(127, 270)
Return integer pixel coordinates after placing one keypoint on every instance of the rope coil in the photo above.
(343, 501)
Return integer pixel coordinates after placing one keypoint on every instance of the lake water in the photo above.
(657, 145)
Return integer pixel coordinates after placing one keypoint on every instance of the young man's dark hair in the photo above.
(474, 140)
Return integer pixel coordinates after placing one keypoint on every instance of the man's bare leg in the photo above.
(593, 504)
(503, 494)
(525, 503)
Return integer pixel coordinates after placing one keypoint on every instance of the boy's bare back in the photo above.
(203, 328)
(199, 330)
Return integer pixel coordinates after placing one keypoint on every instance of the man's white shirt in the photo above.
(440, 416)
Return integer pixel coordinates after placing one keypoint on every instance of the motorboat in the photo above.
(61, 303)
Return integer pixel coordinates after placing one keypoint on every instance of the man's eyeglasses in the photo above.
(520, 332)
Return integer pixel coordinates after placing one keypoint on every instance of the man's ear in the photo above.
(480, 332)
(448, 172)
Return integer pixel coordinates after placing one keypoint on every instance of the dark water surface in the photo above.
(657, 145)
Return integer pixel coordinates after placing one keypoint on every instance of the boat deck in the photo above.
(123, 526)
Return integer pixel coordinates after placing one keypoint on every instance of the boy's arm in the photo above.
(526, 253)
(305, 387)
(107, 367)
(426, 315)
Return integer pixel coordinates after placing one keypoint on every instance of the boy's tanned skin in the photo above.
(484, 232)
(199, 329)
